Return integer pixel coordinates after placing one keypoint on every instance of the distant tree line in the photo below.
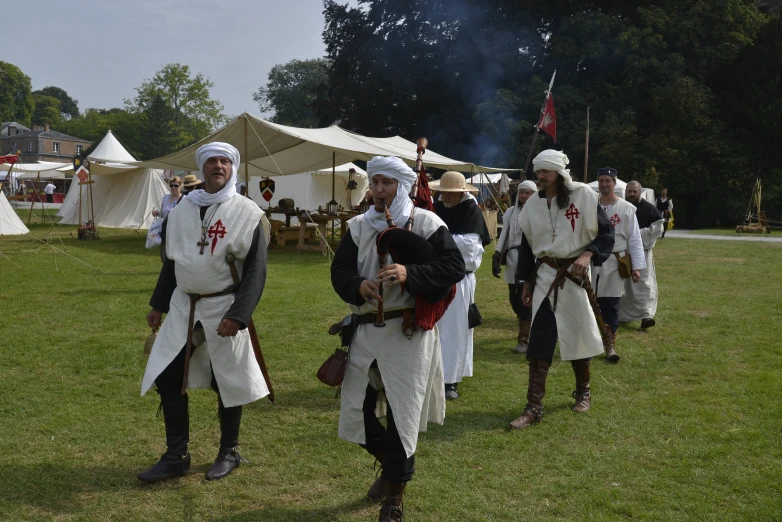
(682, 93)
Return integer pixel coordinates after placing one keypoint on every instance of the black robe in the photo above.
(464, 218)
(646, 214)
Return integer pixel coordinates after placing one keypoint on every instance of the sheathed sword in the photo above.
(231, 260)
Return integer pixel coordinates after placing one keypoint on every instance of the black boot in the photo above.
(175, 462)
(392, 509)
(451, 391)
(227, 461)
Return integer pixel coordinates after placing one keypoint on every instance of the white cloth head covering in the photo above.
(210, 150)
(400, 208)
(551, 159)
(528, 184)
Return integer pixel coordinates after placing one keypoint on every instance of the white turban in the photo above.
(528, 184)
(400, 208)
(210, 150)
(553, 160)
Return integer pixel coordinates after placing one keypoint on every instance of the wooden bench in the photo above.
(291, 234)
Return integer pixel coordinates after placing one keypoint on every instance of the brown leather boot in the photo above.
(391, 510)
(523, 338)
(611, 355)
(378, 488)
(538, 371)
(582, 394)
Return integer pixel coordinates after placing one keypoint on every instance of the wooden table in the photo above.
(322, 221)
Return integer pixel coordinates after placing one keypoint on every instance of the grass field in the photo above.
(686, 427)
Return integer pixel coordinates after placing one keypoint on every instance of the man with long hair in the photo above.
(565, 231)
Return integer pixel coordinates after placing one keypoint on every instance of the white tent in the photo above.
(46, 169)
(110, 150)
(10, 224)
(123, 195)
(269, 149)
(311, 190)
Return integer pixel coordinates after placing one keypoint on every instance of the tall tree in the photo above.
(94, 123)
(16, 98)
(157, 126)
(47, 109)
(69, 108)
(194, 113)
(292, 92)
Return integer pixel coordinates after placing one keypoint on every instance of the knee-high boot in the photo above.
(582, 394)
(536, 390)
(228, 457)
(523, 339)
(176, 460)
(392, 510)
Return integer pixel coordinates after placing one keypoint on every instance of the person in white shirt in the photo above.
(460, 211)
(608, 279)
(49, 190)
(169, 201)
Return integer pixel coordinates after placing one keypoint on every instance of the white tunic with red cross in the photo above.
(564, 233)
(230, 227)
(606, 279)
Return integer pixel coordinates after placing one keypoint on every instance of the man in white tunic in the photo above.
(608, 279)
(564, 231)
(509, 244)
(461, 213)
(197, 290)
(400, 365)
(639, 302)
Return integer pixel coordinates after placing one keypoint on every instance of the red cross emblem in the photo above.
(572, 214)
(216, 231)
(615, 220)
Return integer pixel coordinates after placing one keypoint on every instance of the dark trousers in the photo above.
(609, 309)
(175, 409)
(514, 296)
(543, 334)
(384, 442)
(49, 198)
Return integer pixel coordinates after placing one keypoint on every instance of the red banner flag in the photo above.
(11, 159)
(548, 122)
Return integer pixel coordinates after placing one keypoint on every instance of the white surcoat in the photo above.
(640, 299)
(411, 369)
(606, 279)
(230, 231)
(564, 233)
(510, 225)
(456, 339)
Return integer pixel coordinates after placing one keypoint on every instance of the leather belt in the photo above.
(194, 298)
(370, 318)
(561, 266)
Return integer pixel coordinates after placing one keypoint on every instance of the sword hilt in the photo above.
(231, 260)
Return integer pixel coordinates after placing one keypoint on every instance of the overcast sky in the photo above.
(100, 50)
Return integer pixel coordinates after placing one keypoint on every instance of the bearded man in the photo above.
(640, 299)
(565, 231)
(460, 211)
(510, 243)
(395, 368)
(608, 279)
(198, 292)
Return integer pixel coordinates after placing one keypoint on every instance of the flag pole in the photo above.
(537, 130)
(586, 149)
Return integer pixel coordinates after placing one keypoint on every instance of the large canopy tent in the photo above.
(10, 224)
(269, 149)
(123, 196)
(310, 190)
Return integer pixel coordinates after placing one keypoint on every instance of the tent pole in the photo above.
(586, 149)
(78, 222)
(333, 174)
(246, 163)
(92, 209)
(37, 195)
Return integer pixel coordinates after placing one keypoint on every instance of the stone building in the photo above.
(42, 144)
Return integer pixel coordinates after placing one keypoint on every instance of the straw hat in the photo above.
(190, 181)
(452, 181)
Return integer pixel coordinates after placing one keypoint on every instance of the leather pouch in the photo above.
(474, 316)
(625, 264)
(332, 371)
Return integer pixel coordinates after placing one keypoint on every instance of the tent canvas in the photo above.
(273, 149)
(10, 224)
(122, 198)
(310, 190)
(110, 150)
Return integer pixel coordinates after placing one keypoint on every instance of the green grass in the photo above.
(685, 427)
(732, 232)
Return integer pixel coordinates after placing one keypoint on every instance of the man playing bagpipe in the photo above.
(398, 281)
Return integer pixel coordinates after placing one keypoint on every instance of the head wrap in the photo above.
(395, 168)
(551, 159)
(210, 150)
(528, 184)
(607, 171)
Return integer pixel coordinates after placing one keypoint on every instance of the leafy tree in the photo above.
(16, 99)
(194, 113)
(157, 126)
(47, 109)
(94, 124)
(69, 108)
(292, 91)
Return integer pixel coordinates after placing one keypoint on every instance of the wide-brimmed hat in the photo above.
(452, 181)
(190, 181)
